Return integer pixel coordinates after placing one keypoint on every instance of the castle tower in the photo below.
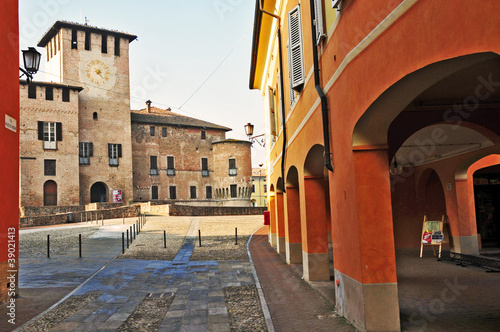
(97, 60)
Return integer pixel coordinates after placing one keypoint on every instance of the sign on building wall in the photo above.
(117, 196)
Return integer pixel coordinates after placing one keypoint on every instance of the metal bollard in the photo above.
(164, 239)
(48, 246)
(123, 243)
(80, 245)
(199, 237)
(127, 238)
(236, 236)
(134, 232)
(131, 234)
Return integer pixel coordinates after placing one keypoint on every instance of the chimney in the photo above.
(148, 106)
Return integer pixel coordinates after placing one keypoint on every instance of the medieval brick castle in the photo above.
(80, 142)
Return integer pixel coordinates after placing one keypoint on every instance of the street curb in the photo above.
(263, 303)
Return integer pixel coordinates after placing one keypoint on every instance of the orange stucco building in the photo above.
(378, 113)
(9, 148)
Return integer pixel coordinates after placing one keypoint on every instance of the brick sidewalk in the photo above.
(293, 304)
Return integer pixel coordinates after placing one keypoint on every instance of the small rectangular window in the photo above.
(117, 46)
(204, 167)
(164, 131)
(234, 189)
(153, 168)
(87, 40)
(65, 94)
(74, 39)
(192, 191)
(152, 130)
(49, 93)
(203, 134)
(232, 167)
(173, 192)
(253, 188)
(114, 152)
(31, 91)
(209, 192)
(104, 43)
(154, 192)
(170, 166)
(86, 150)
(50, 133)
(49, 167)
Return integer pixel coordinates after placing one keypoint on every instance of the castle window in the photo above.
(204, 167)
(104, 43)
(192, 191)
(65, 94)
(203, 134)
(152, 130)
(31, 91)
(49, 167)
(86, 150)
(164, 131)
(49, 133)
(209, 192)
(170, 166)
(49, 93)
(173, 192)
(74, 39)
(154, 192)
(153, 165)
(232, 167)
(234, 193)
(117, 46)
(94, 116)
(114, 152)
(87, 40)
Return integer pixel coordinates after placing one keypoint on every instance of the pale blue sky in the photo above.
(180, 43)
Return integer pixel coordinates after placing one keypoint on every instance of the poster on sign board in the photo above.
(117, 196)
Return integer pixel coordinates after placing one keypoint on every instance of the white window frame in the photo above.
(49, 136)
(113, 154)
(84, 153)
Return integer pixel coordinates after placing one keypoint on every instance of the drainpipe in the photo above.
(322, 96)
(282, 94)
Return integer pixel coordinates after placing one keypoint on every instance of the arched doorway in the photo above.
(98, 193)
(280, 217)
(292, 225)
(315, 253)
(487, 205)
(50, 193)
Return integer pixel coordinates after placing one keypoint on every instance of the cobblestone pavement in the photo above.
(196, 287)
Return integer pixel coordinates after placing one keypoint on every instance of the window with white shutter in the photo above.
(296, 64)
(272, 112)
(318, 20)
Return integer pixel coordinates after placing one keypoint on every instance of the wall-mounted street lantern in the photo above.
(31, 59)
(259, 138)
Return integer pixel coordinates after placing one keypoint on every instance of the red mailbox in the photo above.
(267, 218)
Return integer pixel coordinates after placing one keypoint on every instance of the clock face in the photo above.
(97, 72)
